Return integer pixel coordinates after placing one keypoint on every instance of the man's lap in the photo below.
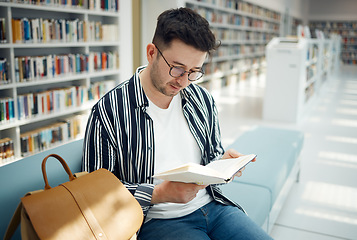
(213, 221)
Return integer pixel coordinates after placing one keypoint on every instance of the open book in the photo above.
(216, 172)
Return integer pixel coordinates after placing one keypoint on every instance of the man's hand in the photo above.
(175, 192)
(231, 153)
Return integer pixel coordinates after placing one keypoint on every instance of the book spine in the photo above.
(3, 38)
(6, 150)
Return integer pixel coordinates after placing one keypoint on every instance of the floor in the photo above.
(323, 205)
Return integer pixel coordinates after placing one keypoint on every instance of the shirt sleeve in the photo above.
(216, 151)
(99, 151)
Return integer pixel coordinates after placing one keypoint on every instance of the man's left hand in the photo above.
(231, 153)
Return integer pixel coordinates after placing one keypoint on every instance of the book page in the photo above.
(230, 166)
(217, 172)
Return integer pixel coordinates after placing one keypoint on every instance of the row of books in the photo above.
(312, 52)
(244, 7)
(32, 105)
(6, 150)
(105, 5)
(32, 68)
(238, 49)
(350, 47)
(234, 35)
(350, 40)
(349, 61)
(7, 110)
(51, 135)
(51, 101)
(349, 55)
(39, 30)
(236, 65)
(4, 79)
(234, 19)
(311, 72)
(3, 30)
(335, 25)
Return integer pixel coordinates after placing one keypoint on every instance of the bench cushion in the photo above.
(277, 151)
(255, 200)
(25, 175)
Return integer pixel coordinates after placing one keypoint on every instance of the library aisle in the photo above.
(323, 205)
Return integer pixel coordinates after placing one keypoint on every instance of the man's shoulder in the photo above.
(199, 92)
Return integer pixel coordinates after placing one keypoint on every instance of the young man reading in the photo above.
(158, 120)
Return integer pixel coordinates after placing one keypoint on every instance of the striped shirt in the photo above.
(120, 136)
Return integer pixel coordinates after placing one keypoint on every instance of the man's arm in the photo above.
(175, 192)
(99, 152)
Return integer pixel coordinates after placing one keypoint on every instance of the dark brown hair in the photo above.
(186, 25)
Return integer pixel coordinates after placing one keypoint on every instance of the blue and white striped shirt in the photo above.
(120, 136)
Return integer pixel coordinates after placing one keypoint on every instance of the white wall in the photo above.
(332, 10)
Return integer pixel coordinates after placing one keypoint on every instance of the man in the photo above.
(158, 120)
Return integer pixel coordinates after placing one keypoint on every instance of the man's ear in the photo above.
(151, 52)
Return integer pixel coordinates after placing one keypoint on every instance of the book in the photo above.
(217, 172)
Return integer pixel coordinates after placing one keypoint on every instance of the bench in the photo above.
(18, 178)
(261, 190)
(265, 184)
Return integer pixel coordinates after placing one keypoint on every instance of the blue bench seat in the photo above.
(276, 168)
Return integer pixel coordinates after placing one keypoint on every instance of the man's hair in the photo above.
(186, 25)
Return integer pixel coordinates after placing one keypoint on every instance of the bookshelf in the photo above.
(294, 25)
(56, 61)
(244, 30)
(348, 32)
(298, 68)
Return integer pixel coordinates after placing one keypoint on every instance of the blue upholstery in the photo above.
(18, 178)
(254, 199)
(277, 152)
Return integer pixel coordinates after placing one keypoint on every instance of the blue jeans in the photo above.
(212, 221)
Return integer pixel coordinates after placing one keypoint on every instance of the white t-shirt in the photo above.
(174, 146)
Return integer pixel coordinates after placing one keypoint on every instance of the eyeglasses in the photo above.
(176, 71)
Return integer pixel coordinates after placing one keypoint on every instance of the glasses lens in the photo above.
(193, 76)
(176, 71)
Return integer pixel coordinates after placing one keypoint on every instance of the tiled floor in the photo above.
(323, 205)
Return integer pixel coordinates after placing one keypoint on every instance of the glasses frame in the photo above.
(184, 71)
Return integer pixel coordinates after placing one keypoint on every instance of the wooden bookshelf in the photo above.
(56, 61)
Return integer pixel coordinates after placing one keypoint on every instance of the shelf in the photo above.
(244, 29)
(347, 30)
(299, 70)
(50, 67)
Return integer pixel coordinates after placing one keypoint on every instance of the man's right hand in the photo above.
(175, 192)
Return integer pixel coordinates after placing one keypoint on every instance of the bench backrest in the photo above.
(25, 175)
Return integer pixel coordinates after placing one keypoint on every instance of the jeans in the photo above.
(212, 221)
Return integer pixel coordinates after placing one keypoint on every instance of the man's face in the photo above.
(179, 55)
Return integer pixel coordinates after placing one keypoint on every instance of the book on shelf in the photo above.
(3, 71)
(6, 150)
(3, 30)
(216, 172)
(7, 110)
